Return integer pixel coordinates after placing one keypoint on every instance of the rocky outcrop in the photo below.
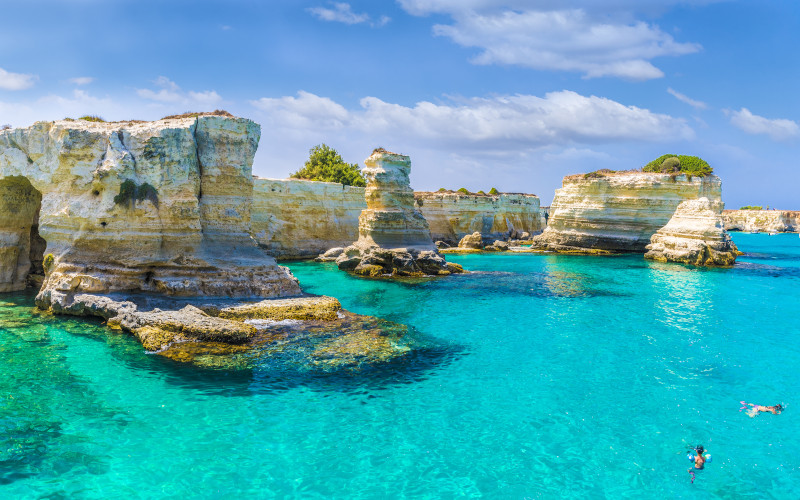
(694, 235)
(394, 237)
(618, 212)
(453, 215)
(767, 221)
(156, 207)
(294, 218)
(474, 241)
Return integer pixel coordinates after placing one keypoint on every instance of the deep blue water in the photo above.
(548, 377)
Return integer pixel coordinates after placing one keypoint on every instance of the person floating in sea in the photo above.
(699, 457)
(756, 409)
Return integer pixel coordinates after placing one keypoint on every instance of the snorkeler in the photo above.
(756, 409)
(699, 460)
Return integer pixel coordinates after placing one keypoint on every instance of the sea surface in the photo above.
(545, 377)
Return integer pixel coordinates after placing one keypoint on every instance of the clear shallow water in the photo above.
(551, 377)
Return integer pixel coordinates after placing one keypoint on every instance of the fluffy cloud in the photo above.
(16, 81)
(497, 123)
(343, 13)
(688, 100)
(779, 129)
(170, 93)
(56, 107)
(560, 36)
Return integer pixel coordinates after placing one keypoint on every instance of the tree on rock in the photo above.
(325, 164)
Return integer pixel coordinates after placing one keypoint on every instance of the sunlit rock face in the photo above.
(453, 215)
(618, 212)
(294, 218)
(159, 207)
(768, 221)
(694, 235)
(394, 238)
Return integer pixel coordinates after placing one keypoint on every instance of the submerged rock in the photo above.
(694, 235)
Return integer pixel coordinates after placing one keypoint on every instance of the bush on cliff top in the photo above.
(690, 165)
(751, 207)
(325, 164)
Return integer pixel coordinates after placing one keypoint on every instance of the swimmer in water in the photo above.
(699, 461)
(756, 409)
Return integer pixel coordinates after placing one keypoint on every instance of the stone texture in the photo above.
(767, 221)
(453, 215)
(394, 238)
(187, 233)
(295, 218)
(474, 240)
(694, 235)
(20, 250)
(618, 212)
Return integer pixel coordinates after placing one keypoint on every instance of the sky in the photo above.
(512, 94)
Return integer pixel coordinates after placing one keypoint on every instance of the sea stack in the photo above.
(694, 235)
(161, 208)
(393, 237)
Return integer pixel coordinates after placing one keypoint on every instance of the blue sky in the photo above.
(513, 94)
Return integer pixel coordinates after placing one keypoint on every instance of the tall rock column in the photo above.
(393, 237)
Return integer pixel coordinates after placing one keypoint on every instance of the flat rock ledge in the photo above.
(227, 333)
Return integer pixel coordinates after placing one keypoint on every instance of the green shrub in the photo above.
(91, 118)
(751, 207)
(325, 164)
(494, 191)
(441, 190)
(463, 191)
(691, 165)
(130, 193)
(481, 192)
(48, 261)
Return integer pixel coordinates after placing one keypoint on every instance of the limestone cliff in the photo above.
(393, 237)
(160, 207)
(620, 211)
(694, 235)
(295, 218)
(453, 215)
(768, 221)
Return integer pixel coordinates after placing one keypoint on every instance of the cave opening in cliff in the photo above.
(21, 246)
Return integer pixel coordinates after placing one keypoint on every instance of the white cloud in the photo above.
(497, 123)
(16, 81)
(341, 12)
(306, 111)
(564, 40)
(81, 80)
(171, 93)
(56, 107)
(568, 35)
(688, 100)
(779, 129)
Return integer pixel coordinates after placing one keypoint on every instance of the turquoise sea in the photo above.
(545, 377)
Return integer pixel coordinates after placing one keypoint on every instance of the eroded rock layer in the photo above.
(159, 207)
(453, 215)
(618, 212)
(768, 221)
(393, 237)
(294, 218)
(694, 235)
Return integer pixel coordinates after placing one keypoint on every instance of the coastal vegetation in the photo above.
(684, 164)
(326, 164)
(464, 190)
(752, 207)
